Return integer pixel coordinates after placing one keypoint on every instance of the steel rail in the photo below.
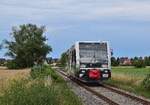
(109, 101)
(138, 99)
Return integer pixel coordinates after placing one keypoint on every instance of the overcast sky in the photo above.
(124, 23)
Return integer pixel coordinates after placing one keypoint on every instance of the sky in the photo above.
(124, 23)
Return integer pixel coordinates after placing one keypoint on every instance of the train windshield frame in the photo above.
(93, 54)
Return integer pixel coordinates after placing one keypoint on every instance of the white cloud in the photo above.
(75, 9)
(67, 13)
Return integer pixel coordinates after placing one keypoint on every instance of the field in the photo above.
(130, 78)
(7, 75)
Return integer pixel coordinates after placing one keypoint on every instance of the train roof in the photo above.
(85, 42)
(92, 42)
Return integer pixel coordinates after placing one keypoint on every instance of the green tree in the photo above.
(114, 61)
(118, 61)
(135, 58)
(147, 61)
(28, 45)
(132, 62)
(63, 59)
(139, 63)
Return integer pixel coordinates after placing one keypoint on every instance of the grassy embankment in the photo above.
(42, 87)
(130, 79)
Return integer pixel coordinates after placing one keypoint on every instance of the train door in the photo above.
(73, 59)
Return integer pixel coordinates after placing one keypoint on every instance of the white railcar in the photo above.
(90, 61)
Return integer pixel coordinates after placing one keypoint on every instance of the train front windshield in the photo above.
(93, 54)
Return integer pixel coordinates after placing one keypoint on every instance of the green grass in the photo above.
(131, 71)
(39, 90)
(130, 79)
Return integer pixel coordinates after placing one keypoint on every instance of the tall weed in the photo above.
(146, 82)
(27, 92)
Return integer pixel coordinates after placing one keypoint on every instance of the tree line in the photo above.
(138, 62)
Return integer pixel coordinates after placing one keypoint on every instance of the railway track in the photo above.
(109, 94)
(139, 99)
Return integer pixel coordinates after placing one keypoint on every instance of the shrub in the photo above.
(146, 82)
(12, 65)
(37, 71)
(139, 64)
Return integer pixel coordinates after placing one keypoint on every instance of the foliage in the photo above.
(12, 65)
(28, 45)
(139, 64)
(2, 62)
(114, 61)
(41, 71)
(147, 61)
(146, 82)
(63, 59)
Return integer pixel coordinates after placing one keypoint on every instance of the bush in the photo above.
(139, 64)
(37, 71)
(12, 65)
(2, 62)
(41, 71)
(146, 82)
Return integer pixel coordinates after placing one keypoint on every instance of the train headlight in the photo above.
(83, 71)
(81, 75)
(106, 71)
